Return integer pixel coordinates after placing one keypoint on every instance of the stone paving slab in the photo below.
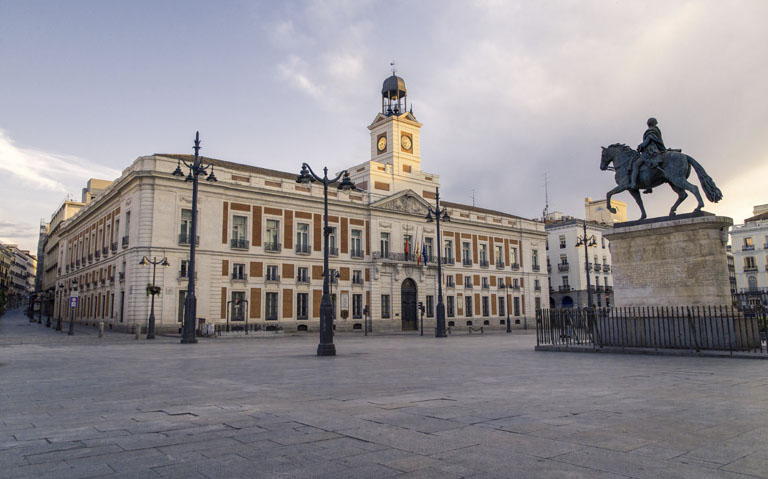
(399, 406)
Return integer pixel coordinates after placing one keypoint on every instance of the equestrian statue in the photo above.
(653, 164)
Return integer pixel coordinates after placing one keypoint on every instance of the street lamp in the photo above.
(196, 168)
(326, 346)
(58, 312)
(587, 242)
(153, 290)
(49, 308)
(439, 212)
(71, 331)
(505, 287)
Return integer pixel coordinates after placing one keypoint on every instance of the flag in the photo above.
(418, 255)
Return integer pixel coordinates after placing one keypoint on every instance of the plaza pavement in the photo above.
(475, 406)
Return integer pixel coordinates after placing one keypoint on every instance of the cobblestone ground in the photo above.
(479, 406)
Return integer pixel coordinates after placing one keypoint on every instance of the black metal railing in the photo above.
(333, 251)
(749, 247)
(606, 268)
(485, 285)
(239, 243)
(97, 254)
(449, 260)
(303, 248)
(563, 267)
(499, 264)
(302, 279)
(695, 328)
(125, 241)
(536, 267)
(357, 281)
(239, 277)
(483, 263)
(564, 289)
(185, 238)
(114, 247)
(537, 288)
(450, 282)
(597, 267)
(105, 250)
(356, 253)
(515, 266)
(272, 277)
(466, 261)
(468, 284)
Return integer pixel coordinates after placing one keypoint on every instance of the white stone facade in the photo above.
(749, 245)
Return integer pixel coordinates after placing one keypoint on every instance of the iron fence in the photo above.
(695, 328)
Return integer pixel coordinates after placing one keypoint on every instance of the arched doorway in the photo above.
(567, 302)
(408, 305)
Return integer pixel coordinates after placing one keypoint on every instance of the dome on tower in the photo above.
(394, 87)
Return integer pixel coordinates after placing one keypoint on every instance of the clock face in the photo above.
(405, 141)
(382, 143)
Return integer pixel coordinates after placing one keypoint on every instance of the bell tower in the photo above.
(395, 131)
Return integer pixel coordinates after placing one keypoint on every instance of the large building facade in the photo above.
(259, 256)
(749, 245)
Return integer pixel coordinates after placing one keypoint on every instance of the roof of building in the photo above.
(393, 84)
(761, 216)
(476, 209)
(575, 221)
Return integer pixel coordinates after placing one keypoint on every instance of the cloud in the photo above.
(42, 170)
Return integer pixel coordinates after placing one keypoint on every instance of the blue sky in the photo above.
(506, 91)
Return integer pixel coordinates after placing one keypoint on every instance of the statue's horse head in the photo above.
(606, 158)
(614, 153)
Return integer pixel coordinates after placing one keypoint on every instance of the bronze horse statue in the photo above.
(674, 169)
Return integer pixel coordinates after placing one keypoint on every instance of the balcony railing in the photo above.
(537, 288)
(536, 267)
(449, 260)
(302, 280)
(184, 274)
(466, 261)
(750, 268)
(485, 285)
(516, 286)
(239, 277)
(483, 263)
(499, 264)
(239, 243)
(357, 281)
(748, 247)
(449, 282)
(562, 245)
(97, 254)
(105, 250)
(515, 266)
(609, 289)
(112, 279)
(563, 267)
(356, 253)
(564, 289)
(272, 277)
(597, 267)
(599, 288)
(333, 251)
(185, 238)
(606, 268)
(469, 285)
(90, 257)
(303, 248)
(125, 241)
(114, 247)
(121, 276)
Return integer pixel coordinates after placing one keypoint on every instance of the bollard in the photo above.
(138, 332)
(101, 329)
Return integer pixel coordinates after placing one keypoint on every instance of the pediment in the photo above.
(406, 201)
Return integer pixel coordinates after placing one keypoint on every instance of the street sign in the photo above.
(73, 302)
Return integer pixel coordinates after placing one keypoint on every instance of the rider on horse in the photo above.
(651, 150)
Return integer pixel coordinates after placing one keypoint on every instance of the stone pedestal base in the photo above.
(671, 261)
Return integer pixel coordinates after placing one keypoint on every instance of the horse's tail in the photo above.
(710, 188)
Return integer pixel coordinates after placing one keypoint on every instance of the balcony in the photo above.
(125, 241)
(239, 277)
(449, 260)
(105, 250)
(121, 276)
(103, 281)
(90, 258)
(333, 280)
(238, 243)
(515, 266)
(609, 289)
(746, 247)
(483, 263)
(468, 285)
(303, 248)
(606, 268)
(564, 289)
(185, 238)
(536, 267)
(589, 266)
(302, 279)
(598, 267)
(273, 277)
(114, 247)
(537, 287)
(516, 286)
(449, 282)
(112, 279)
(485, 285)
(562, 245)
(599, 288)
(750, 268)
(466, 261)
(357, 281)
(499, 264)
(184, 274)
(563, 267)
(356, 253)
(333, 251)
(97, 254)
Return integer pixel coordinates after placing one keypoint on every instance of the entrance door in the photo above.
(409, 305)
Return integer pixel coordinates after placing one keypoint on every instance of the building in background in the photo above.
(597, 211)
(566, 265)
(17, 275)
(260, 247)
(749, 245)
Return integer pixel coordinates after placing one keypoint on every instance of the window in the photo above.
(562, 241)
(749, 263)
(468, 306)
(466, 253)
(357, 277)
(271, 307)
(385, 245)
(184, 269)
(239, 233)
(602, 240)
(536, 285)
(302, 238)
(302, 300)
(513, 257)
(357, 306)
(537, 303)
(238, 271)
(272, 240)
(449, 306)
(486, 309)
(356, 250)
(565, 282)
(483, 255)
(448, 251)
(429, 246)
(752, 281)
(272, 273)
(186, 226)
(502, 311)
(499, 256)
(467, 281)
(535, 259)
(385, 309)
(605, 281)
(486, 284)
(748, 243)
(333, 248)
(302, 274)
(238, 306)
(516, 305)
(430, 306)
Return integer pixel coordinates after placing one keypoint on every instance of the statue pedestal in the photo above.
(672, 261)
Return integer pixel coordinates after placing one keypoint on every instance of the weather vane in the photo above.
(394, 67)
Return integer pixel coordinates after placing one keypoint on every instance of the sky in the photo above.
(506, 91)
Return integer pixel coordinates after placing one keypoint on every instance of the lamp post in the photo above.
(196, 168)
(74, 294)
(49, 308)
(587, 242)
(506, 287)
(439, 212)
(326, 346)
(153, 290)
(58, 312)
